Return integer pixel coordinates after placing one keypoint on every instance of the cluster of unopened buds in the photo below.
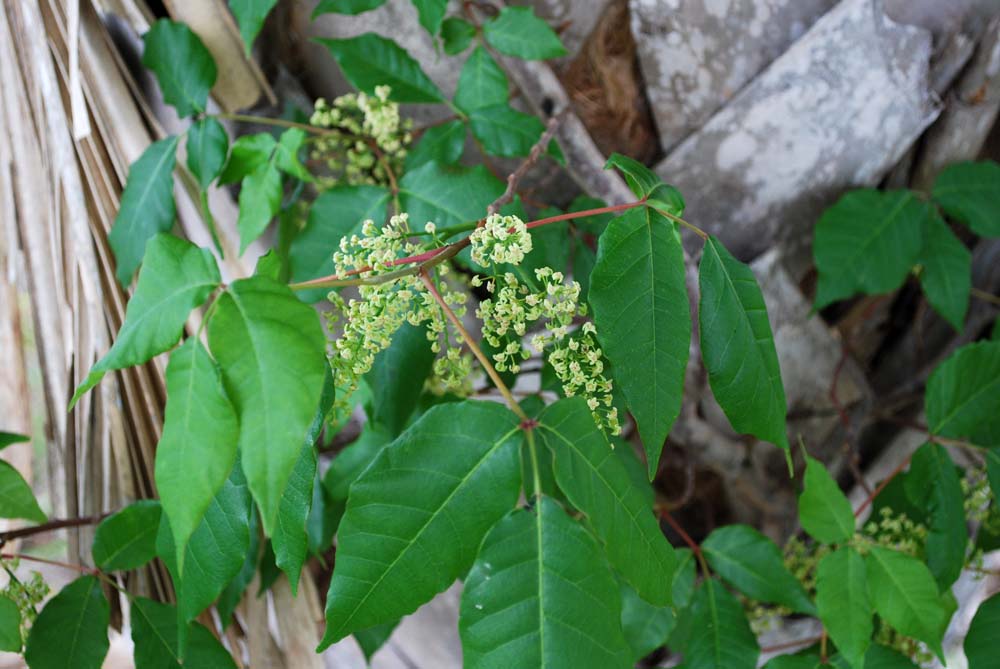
(367, 138)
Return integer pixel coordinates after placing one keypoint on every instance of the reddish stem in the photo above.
(881, 486)
(583, 214)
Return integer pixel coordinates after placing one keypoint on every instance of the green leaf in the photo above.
(207, 146)
(947, 270)
(933, 483)
(374, 638)
(646, 627)
(155, 635)
(286, 154)
(431, 12)
(183, 66)
(198, 446)
(682, 587)
(8, 438)
(752, 564)
(481, 83)
(408, 357)
(720, 635)
(416, 516)
(541, 595)
(231, 595)
(867, 243)
(448, 195)
(441, 143)
(72, 629)
(824, 511)
(457, 34)
(905, 595)
(346, 6)
(641, 180)
(963, 393)
(250, 15)
(595, 482)
(643, 320)
(980, 642)
(844, 607)
(248, 154)
(504, 131)
(260, 200)
(16, 498)
(10, 625)
(738, 347)
(970, 193)
(350, 462)
(517, 31)
(271, 349)
(127, 539)
(216, 551)
(807, 659)
(370, 60)
(176, 277)
(336, 213)
(147, 206)
(289, 539)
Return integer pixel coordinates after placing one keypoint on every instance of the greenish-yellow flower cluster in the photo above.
(27, 594)
(367, 138)
(501, 239)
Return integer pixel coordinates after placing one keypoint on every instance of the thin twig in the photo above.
(985, 297)
(881, 486)
(50, 526)
(533, 156)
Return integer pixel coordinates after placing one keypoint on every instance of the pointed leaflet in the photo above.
(249, 152)
(147, 206)
(250, 15)
(448, 195)
(867, 243)
(260, 200)
(541, 595)
(643, 319)
(738, 347)
(905, 595)
(752, 564)
(720, 635)
(980, 643)
(154, 633)
(216, 551)
(431, 12)
(370, 60)
(645, 184)
(934, 484)
(10, 625)
(127, 539)
(16, 498)
(408, 357)
(504, 131)
(176, 277)
(271, 349)
(946, 274)
(456, 34)
(289, 539)
(416, 516)
(970, 193)
(843, 603)
(481, 83)
(596, 482)
(183, 66)
(517, 31)
(8, 438)
(964, 391)
(207, 146)
(824, 511)
(442, 144)
(72, 629)
(231, 595)
(645, 626)
(286, 154)
(373, 638)
(198, 447)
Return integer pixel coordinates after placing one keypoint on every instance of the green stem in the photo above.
(532, 451)
(677, 219)
(267, 120)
